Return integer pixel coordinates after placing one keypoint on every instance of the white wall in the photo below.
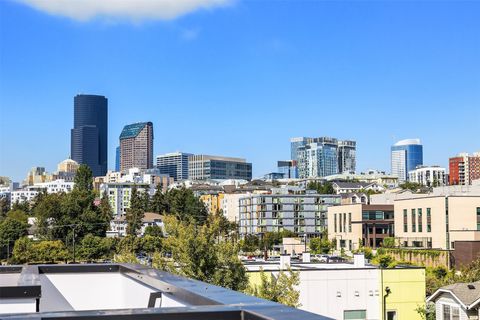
(319, 288)
(17, 305)
(90, 291)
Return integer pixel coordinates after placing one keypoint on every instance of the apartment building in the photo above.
(464, 169)
(430, 176)
(303, 214)
(356, 225)
(437, 221)
(205, 167)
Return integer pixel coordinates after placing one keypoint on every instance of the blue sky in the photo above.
(240, 79)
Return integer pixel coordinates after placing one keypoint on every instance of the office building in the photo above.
(360, 225)
(288, 168)
(437, 221)
(89, 136)
(406, 155)
(323, 156)
(303, 214)
(464, 168)
(117, 159)
(205, 167)
(430, 176)
(66, 170)
(126, 292)
(174, 164)
(136, 146)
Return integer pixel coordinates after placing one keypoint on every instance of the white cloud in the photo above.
(134, 10)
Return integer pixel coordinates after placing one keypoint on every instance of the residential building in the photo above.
(317, 159)
(323, 156)
(437, 221)
(457, 301)
(213, 201)
(379, 177)
(66, 170)
(174, 164)
(37, 175)
(136, 146)
(406, 155)
(354, 198)
(56, 186)
(303, 214)
(288, 168)
(274, 176)
(89, 136)
(350, 224)
(119, 194)
(352, 187)
(118, 225)
(24, 195)
(464, 169)
(205, 167)
(352, 290)
(347, 156)
(231, 206)
(127, 292)
(430, 176)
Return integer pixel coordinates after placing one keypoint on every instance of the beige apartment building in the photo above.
(356, 225)
(437, 221)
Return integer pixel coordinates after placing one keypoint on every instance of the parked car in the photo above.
(321, 257)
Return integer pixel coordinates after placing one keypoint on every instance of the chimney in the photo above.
(359, 260)
(306, 257)
(284, 261)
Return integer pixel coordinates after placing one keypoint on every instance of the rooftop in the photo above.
(407, 142)
(125, 291)
(132, 130)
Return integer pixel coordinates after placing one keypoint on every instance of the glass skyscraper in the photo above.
(90, 132)
(323, 156)
(174, 164)
(406, 155)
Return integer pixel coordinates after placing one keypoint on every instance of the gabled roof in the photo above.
(132, 130)
(467, 294)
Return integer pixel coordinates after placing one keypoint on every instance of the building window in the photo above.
(455, 313)
(335, 222)
(405, 220)
(350, 221)
(391, 315)
(354, 314)
(446, 312)
(344, 222)
(478, 218)
(414, 222)
(429, 220)
(420, 225)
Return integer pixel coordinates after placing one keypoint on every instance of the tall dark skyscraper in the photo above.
(90, 132)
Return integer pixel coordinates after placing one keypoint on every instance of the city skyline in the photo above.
(311, 77)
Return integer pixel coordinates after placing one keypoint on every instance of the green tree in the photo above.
(18, 215)
(321, 188)
(385, 260)
(27, 251)
(10, 230)
(388, 242)
(135, 213)
(94, 247)
(154, 231)
(4, 207)
(197, 254)
(22, 250)
(105, 208)
(183, 204)
(24, 206)
(320, 245)
(280, 288)
(83, 178)
(249, 243)
(158, 203)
